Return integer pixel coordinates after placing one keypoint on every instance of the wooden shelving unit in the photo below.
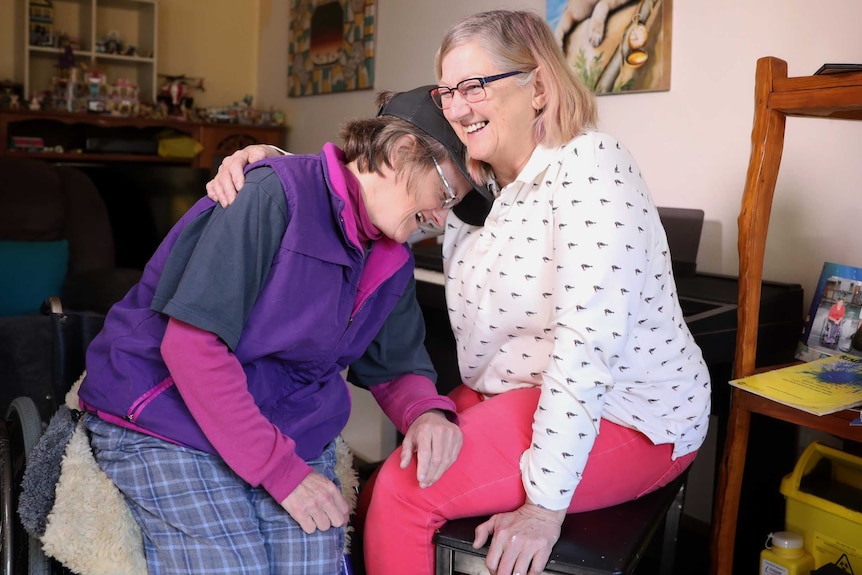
(70, 131)
(90, 22)
(836, 96)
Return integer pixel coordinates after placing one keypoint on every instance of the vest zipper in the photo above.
(145, 400)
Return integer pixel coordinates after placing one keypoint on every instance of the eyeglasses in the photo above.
(449, 202)
(471, 89)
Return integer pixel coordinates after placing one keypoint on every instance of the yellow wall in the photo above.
(10, 39)
(213, 39)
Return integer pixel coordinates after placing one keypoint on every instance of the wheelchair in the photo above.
(830, 333)
(23, 425)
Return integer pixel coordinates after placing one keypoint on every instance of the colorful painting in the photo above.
(331, 46)
(616, 46)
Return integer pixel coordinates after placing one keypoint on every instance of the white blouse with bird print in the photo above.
(568, 287)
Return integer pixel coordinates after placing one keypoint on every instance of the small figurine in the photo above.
(35, 103)
(175, 93)
(112, 44)
(67, 58)
(14, 104)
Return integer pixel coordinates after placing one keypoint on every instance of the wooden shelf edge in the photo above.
(834, 423)
(73, 157)
(816, 83)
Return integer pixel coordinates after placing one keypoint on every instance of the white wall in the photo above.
(692, 142)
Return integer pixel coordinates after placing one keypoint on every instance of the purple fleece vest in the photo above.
(315, 314)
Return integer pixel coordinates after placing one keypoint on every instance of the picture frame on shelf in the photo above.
(834, 321)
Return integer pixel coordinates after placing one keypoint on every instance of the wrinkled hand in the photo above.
(230, 178)
(522, 540)
(436, 442)
(317, 503)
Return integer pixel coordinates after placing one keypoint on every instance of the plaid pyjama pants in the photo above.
(197, 516)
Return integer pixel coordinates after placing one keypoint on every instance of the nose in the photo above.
(458, 107)
(439, 216)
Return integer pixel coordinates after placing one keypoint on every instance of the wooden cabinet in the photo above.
(221, 140)
(65, 137)
(776, 97)
(116, 37)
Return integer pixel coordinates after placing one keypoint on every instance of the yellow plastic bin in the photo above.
(824, 504)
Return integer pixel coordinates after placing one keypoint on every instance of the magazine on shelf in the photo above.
(833, 324)
(837, 69)
(822, 386)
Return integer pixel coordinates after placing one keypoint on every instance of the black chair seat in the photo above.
(605, 541)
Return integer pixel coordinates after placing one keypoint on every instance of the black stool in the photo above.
(605, 541)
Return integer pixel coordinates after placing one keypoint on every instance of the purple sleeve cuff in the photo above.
(408, 396)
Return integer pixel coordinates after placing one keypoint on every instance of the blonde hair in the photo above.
(521, 40)
(373, 143)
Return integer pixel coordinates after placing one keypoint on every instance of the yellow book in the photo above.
(822, 386)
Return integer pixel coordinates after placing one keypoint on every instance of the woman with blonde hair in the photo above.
(583, 387)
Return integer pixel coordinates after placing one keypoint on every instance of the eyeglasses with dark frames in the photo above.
(471, 89)
(449, 202)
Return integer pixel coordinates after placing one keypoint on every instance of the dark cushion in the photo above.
(34, 206)
(25, 362)
(32, 271)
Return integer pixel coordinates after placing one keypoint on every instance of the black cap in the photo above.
(417, 107)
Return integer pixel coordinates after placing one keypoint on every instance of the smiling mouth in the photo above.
(420, 218)
(475, 127)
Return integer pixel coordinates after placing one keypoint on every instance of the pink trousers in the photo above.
(401, 518)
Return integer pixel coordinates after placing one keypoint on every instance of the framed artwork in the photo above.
(331, 46)
(615, 46)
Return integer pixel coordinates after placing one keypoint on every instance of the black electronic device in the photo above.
(147, 147)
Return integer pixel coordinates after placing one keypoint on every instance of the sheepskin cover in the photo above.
(83, 520)
(43, 472)
(91, 530)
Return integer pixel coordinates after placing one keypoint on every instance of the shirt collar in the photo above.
(539, 161)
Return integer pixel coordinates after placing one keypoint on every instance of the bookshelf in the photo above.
(90, 23)
(777, 96)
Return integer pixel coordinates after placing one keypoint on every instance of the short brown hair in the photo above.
(372, 143)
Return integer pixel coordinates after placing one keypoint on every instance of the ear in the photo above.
(399, 152)
(402, 148)
(540, 96)
(406, 140)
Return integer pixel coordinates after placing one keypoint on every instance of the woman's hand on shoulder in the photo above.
(230, 177)
(317, 503)
(522, 539)
(436, 442)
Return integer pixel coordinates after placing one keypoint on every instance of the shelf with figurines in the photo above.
(83, 109)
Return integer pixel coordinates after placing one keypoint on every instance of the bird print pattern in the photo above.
(568, 287)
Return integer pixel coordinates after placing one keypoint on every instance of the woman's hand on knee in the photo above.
(317, 503)
(436, 442)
